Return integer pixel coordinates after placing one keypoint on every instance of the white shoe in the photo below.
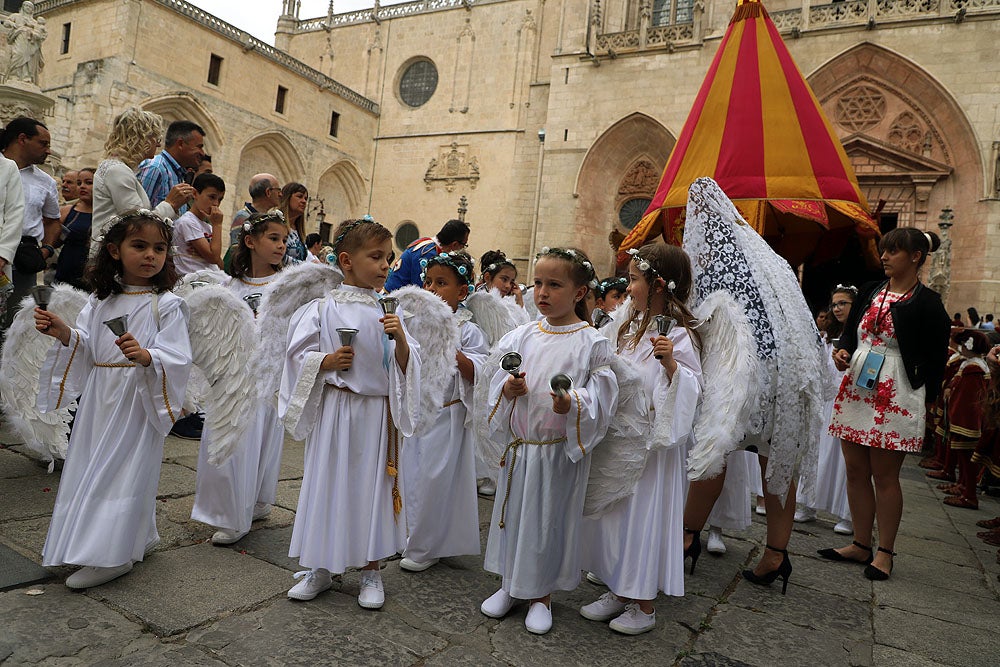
(497, 605)
(226, 536)
(804, 515)
(313, 583)
(633, 621)
(594, 579)
(604, 608)
(715, 544)
(411, 565)
(844, 527)
(539, 619)
(88, 577)
(761, 509)
(372, 595)
(261, 510)
(486, 487)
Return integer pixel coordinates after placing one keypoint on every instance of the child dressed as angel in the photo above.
(131, 388)
(354, 402)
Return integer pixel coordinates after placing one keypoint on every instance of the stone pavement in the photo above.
(190, 603)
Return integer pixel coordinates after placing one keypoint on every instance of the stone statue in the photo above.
(25, 35)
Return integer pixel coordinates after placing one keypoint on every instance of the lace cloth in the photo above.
(727, 254)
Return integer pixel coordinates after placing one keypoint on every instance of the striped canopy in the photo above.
(757, 128)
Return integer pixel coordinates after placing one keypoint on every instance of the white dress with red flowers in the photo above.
(890, 416)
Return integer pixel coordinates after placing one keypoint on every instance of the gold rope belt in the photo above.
(120, 365)
(512, 449)
(451, 403)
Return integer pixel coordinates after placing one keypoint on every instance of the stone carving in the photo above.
(452, 164)
(25, 35)
(907, 133)
(860, 108)
(642, 179)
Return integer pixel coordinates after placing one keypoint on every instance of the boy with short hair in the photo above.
(198, 233)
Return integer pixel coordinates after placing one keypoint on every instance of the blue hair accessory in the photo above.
(423, 263)
(462, 270)
(367, 218)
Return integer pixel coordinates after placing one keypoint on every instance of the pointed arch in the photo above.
(342, 188)
(182, 105)
(274, 152)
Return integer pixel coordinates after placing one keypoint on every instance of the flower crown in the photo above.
(497, 265)
(271, 216)
(446, 259)
(573, 256)
(347, 230)
(609, 284)
(644, 266)
(132, 215)
(847, 289)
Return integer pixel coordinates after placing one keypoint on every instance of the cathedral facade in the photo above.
(552, 118)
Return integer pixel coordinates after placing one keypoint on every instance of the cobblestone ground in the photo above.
(190, 603)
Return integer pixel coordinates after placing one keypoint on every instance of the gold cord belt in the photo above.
(121, 365)
(512, 449)
(451, 403)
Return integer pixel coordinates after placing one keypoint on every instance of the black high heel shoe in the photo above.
(834, 555)
(694, 550)
(875, 574)
(784, 571)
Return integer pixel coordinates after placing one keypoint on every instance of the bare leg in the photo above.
(779, 526)
(701, 499)
(860, 497)
(885, 467)
(546, 600)
(372, 565)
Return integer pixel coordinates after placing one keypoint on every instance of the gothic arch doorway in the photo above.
(617, 179)
(183, 105)
(342, 189)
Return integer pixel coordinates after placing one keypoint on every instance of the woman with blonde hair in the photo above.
(135, 136)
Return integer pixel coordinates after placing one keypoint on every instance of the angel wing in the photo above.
(192, 281)
(23, 355)
(488, 449)
(223, 342)
(729, 369)
(491, 314)
(295, 287)
(432, 323)
(618, 462)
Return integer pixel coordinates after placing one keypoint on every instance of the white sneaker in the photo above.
(226, 536)
(844, 527)
(497, 605)
(594, 579)
(804, 515)
(88, 577)
(604, 608)
(411, 565)
(261, 510)
(761, 509)
(633, 621)
(313, 583)
(486, 487)
(539, 619)
(372, 595)
(715, 544)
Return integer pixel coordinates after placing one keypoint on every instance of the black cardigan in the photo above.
(922, 329)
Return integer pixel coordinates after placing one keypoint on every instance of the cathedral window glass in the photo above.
(418, 83)
(670, 12)
(406, 234)
(631, 211)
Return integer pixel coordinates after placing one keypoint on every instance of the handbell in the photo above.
(600, 318)
(346, 340)
(199, 283)
(42, 294)
(560, 384)
(389, 305)
(511, 362)
(118, 325)
(253, 300)
(663, 326)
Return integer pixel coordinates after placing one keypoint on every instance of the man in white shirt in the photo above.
(26, 142)
(11, 221)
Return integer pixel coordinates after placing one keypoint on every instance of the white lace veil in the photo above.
(727, 254)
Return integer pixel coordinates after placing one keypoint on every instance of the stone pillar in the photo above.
(19, 98)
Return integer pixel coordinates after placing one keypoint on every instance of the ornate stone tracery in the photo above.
(453, 164)
(860, 108)
(908, 133)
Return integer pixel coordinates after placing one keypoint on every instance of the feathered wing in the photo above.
(23, 355)
(295, 287)
(488, 448)
(431, 322)
(212, 276)
(492, 315)
(618, 462)
(223, 342)
(729, 371)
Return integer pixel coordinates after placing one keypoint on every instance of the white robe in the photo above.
(637, 548)
(732, 509)
(225, 495)
(544, 486)
(345, 514)
(104, 512)
(439, 470)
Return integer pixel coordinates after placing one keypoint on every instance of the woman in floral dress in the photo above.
(894, 347)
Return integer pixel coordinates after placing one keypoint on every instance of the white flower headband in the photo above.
(575, 257)
(272, 216)
(130, 215)
(644, 266)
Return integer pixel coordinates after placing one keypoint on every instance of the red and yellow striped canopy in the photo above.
(757, 128)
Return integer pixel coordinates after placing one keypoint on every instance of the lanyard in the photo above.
(885, 293)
